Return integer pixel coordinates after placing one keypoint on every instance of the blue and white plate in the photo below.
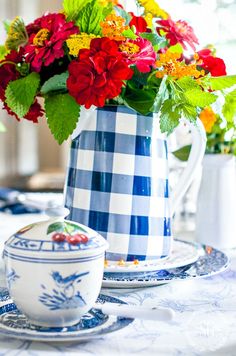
(92, 325)
(210, 262)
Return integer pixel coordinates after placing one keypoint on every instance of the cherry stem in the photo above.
(66, 230)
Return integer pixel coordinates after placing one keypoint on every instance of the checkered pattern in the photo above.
(117, 183)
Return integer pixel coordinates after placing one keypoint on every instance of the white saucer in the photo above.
(92, 325)
(183, 253)
(209, 263)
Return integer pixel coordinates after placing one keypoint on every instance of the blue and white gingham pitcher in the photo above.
(117, 181)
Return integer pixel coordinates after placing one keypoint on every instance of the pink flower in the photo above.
(177, 32)
(46, 39)
(139, 52)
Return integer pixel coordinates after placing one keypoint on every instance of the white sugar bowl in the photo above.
(54, 269)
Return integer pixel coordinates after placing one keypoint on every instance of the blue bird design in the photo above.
(66, 297)
(67, 281)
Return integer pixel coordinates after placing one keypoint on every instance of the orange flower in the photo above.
(113, 27)
(208, 118)
(129, 48)
(169, 64)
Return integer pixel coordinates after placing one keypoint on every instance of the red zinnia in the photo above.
(139, 22)
(8, 70)
(139, 52)
(46, 39)
(98, 73)
(34, 113)
(214, 65)
(177, 32)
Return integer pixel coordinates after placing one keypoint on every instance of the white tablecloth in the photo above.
(205, 322)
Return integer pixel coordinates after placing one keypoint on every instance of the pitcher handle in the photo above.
(194, 161)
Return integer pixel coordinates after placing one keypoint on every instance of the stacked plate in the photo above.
(188, 260)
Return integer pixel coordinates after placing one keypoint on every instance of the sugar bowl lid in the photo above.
(55, 237)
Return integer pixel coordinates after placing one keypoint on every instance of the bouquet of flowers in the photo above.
(94, 53)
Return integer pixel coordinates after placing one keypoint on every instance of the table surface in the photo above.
(205, 321)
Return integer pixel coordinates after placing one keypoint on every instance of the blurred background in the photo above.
(29, 157)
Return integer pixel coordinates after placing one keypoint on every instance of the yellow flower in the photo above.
(208, 118)
(169, 64)
(77, 42)
(151, 7)
(148, 18)
(113, 27)
(107, 2)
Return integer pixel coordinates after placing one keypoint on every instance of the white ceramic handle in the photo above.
(194, 161)
(139, 312)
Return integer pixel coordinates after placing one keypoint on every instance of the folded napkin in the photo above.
(10, 202)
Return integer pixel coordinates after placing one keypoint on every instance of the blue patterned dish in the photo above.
(60, 264)
(210, 262)
(94, 324)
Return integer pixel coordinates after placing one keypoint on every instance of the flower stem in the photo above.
(8, 62)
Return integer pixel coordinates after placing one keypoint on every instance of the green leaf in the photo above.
(2, 127)
(183, 153)
(229, 108)
(162, 94)
(90, 17)
(20, 94)
(139, 100)
(176, 48)
(223, 82)
(55, 227)
(72, 8)
(154, 38)
(187, 83)
(62, 113)
(169, 117)
(23, 69)
(3, 52)
(188, 111)
(17, 34)
(55, 83)
(72, 228)
(6, 24)
(129, 34)
(154, 82)
(139, 79)
(66, 227)
(107, 10)
(197, 97)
